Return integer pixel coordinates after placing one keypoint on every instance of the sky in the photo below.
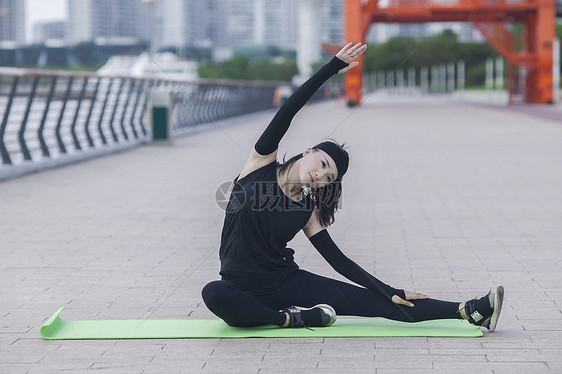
(41, 10)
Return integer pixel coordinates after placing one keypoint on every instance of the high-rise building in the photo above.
(262, 22)
(215, 22)
(412, 30)
(48, 30)
(80, 21)
(240, 22)
(332, 18)
(273, 22)
(90, 19)
(227, 23)
(186, 23)
(276, 23)
(12, 20)
(202, 23)
(124, 18)
(382, 32)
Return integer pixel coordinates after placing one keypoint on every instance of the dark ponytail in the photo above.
(326, 199)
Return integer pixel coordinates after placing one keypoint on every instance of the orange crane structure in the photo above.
(529, 53)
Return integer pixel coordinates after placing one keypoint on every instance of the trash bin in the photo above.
(161, 102)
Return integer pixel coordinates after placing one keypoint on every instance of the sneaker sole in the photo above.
(497, 301)
(332, 314)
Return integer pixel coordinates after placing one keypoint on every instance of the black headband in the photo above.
(338, 154)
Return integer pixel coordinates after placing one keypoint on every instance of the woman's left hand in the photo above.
(409, 296)
(349, 53)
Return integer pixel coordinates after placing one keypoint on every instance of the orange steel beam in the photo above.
(544, 37)
(355, 28)
(491, 17)
(500, 38)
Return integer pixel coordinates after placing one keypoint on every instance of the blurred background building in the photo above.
(381, 33)
(227, 24)
(43, 31)
(91, 19)
(12, 21)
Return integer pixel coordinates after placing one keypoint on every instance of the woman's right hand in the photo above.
(349, 53)
(409, 296)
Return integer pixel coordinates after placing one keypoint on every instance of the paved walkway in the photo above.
(441, 197)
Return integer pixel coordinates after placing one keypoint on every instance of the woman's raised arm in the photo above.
(265, 148)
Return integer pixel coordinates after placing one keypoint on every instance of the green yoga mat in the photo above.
(57, 328)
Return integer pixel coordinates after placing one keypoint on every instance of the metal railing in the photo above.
(209, 101)
(54, 117)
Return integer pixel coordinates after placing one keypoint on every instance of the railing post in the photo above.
(214, 103)
(204, 112)
(108, 92)
(233, 94)
(220, 104)
(73, 125)
(5, 155)
(144, 105)
(21, 132)
(248, 91)
(60, 143)
(113, 133)
(140, 86)
(193, 115)
(189, 105)
(41, 128)
(87, 124)
(125, 105)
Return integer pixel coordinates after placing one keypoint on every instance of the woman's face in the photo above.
(317, 169)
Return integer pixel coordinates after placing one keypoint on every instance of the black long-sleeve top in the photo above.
(253, 243)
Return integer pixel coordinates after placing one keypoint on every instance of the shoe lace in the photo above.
(296, 319)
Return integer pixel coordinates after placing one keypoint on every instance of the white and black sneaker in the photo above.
(485, 311)
(321, 315)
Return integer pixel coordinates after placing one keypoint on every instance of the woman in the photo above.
(261, 284)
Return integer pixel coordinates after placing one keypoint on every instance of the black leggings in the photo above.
(254, 307)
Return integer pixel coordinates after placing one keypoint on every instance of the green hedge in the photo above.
(240, 67)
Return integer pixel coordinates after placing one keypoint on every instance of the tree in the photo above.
(403, 53)
(240, 67)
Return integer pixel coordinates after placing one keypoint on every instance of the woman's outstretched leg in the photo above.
(237, 307)
(308, 289)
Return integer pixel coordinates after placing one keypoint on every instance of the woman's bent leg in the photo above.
(237, 307)
(307, 289)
